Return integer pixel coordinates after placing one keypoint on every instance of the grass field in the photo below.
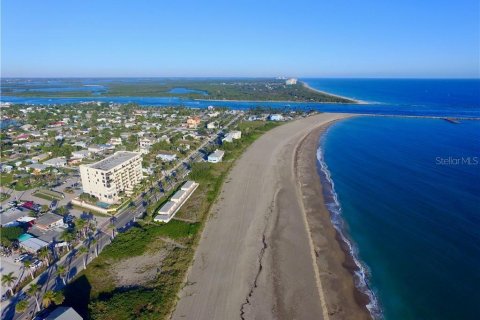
(96, 286)
(48, 195)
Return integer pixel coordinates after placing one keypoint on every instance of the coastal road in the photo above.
(255, 259)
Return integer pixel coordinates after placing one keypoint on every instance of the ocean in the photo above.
(405, 192)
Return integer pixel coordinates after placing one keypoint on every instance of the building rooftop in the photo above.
(178, 195)
(217, 153)
(188, 185)
(47, 219)
(114, 160)
(166, 207)
(34, 244)
(64, 313)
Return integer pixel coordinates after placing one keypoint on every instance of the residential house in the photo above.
(36, 168)
(211, 125)
(64, 313)
(58, 162)
(116, 141)
(216, 156)
(275, 117)
(81, 154)
(193, 123)
(49, 221)
(166, 156)
(41, 157)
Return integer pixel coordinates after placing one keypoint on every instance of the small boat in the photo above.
(451, 120)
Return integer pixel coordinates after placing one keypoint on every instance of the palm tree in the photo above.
(81, 223)
(8, 280)
(21, 306)
(32, 292)
(61, 272)
(52, 297)
(44, 255)
(94, 242)
(68, 237)
(27, 264)
(84, 250)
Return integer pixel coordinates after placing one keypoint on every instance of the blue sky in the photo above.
(369, 38)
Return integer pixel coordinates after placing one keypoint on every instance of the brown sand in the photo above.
(269, 250)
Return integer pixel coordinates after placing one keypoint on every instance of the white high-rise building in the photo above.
(106, 178)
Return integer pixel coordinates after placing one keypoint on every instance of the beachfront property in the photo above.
(107, 178)
(275, 117)
(233, 135)
(216, 156)
(169, 209)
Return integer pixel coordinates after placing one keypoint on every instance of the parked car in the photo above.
(21, 257)
(36, 264)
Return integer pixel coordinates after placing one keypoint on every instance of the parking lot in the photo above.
(8, 265)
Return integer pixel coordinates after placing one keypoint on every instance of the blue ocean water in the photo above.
(407, 196)
(453, 98)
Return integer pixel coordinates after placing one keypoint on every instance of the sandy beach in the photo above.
(334, 95)
(269, 250)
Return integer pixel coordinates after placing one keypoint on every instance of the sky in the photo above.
(244, 38)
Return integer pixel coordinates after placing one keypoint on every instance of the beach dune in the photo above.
(268, 250)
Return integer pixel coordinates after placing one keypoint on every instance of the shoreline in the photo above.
(331, 250)
(355, 101)
(261, 255)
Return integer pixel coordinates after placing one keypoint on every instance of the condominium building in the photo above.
(106, 178)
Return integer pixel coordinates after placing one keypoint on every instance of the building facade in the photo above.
(106, 179)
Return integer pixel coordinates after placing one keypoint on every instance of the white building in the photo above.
(145, 144)
(216, 156)
(81, 154)
(291, 81)
(233, 135)
(106, 178)
(59, 162)
(166, 156)
(211, 125)
(169, 209)
(116, 141)
(275, 117)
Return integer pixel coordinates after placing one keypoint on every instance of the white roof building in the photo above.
(169, 209)
(64, 313)
(33, 244)
(216, 156)
(166, 156)
(106, 178)
(81, 154)
(59, 162)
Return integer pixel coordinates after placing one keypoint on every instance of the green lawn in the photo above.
(48, 195)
